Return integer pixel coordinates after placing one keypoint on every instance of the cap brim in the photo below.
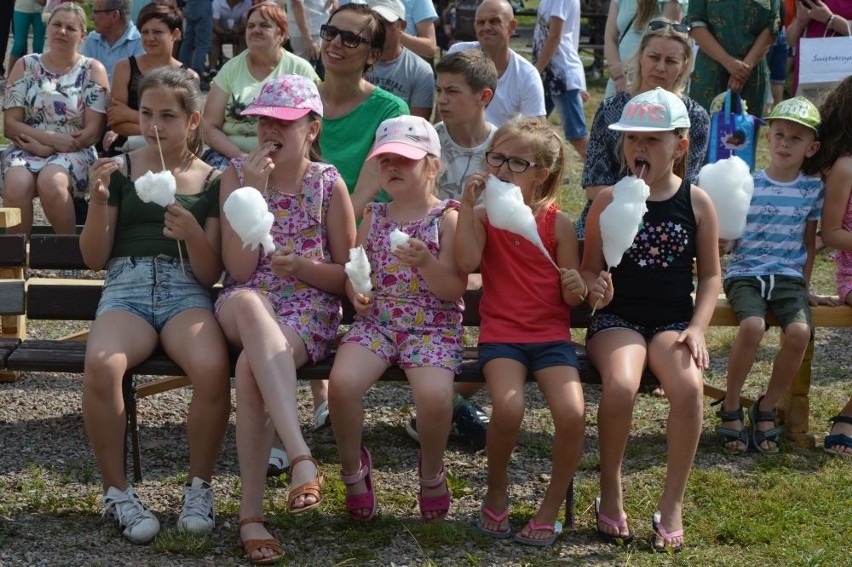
(278, 112)
(387, 14)
(400, 149)
(637, 128)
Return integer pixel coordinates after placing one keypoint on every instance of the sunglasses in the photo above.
(657, 25)
(515, 164)
(347, 38)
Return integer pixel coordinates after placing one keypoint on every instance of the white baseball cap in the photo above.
(390, 10)
(657, 110)
(409, 136)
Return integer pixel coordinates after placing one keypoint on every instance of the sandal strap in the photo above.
(251, 520)
(841, 419)
(434, 482)
(760, 415)
(296, 460)
(354, 478)
(734, 415)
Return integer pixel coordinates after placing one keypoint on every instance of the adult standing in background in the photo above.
(27, 15)
(734, 36)
(6, 9)
(115, 36)
(419, 36)
(399, 70)
(306, 17)
(625, 25)
(817, 18)
(519, 87)
(229, 26)
(556, 40)
(197, 36)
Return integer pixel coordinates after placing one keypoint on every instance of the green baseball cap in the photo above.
(797, 109)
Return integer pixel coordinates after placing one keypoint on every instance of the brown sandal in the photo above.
(310, 488)
(252, 545)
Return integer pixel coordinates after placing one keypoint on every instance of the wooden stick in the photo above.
(163, 163)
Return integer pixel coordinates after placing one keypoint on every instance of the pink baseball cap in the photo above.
(409, 136)
(286, 97)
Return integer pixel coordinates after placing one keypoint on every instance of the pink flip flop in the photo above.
(659, 530)
(618, 525)
(554, 529)
(493, 516)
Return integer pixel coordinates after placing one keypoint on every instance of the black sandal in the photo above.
(726, 433)
(757, 437)
(834, 439)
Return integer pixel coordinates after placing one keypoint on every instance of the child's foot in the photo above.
(609, 529)
(361, 500)
(494, 520)
(258, 544)
(307, 481)
(434, 496)
(732, 430)
(764, 431)
(537, 533)
(839, 439)
(668, 532)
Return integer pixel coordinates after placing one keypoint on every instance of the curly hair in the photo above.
(835, 131)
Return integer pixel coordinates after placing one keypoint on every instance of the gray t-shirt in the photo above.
(458, 162)
(408, 76)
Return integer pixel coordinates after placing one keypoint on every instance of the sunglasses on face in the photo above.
(515, 164)
(347, 38)
(657, 25)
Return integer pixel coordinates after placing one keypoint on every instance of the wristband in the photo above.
(830, 21)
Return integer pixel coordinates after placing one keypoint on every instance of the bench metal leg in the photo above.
(132, 426)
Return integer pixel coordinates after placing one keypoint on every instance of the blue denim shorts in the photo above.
(571, 113)
(535, 356)
(153, 288)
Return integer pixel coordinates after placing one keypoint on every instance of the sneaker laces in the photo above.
(125, 508)
(198, 501)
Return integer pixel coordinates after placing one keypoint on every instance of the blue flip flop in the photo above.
(838, 438)
(554, 529)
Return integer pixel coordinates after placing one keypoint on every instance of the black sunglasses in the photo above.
(347, 38)
(515, 164)
(657, 25)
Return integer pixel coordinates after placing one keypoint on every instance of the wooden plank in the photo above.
(13, 250)
(11, 297)
(56, 252)
(9, 217)
(58, 299)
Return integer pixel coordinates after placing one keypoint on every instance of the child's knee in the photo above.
(796, 337)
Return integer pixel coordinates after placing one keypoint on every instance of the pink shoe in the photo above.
(439, 504)
(367, 500)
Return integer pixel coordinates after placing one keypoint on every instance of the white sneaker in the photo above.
(197, 514)
(137, 523)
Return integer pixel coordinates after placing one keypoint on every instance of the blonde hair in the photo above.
(548, 152)
(75, 10)
(634, 68)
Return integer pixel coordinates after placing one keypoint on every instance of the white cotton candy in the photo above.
(398, 238)
(250, 218)
(157, 188)
(358, 270)
(620, 220)
(729, 184)
(119, 160)
(506, 210)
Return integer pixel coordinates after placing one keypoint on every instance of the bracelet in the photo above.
(97, 202)
(830, 21)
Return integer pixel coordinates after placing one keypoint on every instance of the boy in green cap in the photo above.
(769, 270)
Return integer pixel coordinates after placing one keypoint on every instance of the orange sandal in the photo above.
(252, 545)
(310, 488)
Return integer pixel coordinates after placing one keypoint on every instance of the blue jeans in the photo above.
(570, 107)
(197, 35)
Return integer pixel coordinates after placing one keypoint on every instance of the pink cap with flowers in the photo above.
(286, 97)
(409, 136)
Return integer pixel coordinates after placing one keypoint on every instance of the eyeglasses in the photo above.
(516, 164)
(104, 11)
(657, 25)
(347, 38)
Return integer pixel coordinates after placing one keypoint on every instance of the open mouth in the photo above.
(640, 166)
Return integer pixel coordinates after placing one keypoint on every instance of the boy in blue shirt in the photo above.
(769, 270)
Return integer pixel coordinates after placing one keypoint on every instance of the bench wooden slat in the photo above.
(11, 297)
(56, 252)
(13, 250)
(58, 299)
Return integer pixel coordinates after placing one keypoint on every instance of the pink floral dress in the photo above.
(843, 259)
(300, 224)
(409, 326)
(58, 103)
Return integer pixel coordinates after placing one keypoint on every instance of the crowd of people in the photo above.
(338, 137)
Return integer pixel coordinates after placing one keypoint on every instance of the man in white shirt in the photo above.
(228, 27)
(519, 87)
(400, 71)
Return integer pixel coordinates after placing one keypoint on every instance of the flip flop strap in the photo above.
(541, 527)
(841, 419)
(486, 511)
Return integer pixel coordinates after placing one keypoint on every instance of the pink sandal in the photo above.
(440, 503)
(366, 500)
(659, 530)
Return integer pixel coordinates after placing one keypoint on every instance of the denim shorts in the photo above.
(603, 322)
(153, 288)
(570, 107)
(535, 356)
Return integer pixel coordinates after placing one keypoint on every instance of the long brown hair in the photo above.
(184, 86)
(835, 131)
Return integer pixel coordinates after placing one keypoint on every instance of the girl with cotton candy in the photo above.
(412, 317)
(526, 315)
(282, 309)
(149, 300)
(646, 316)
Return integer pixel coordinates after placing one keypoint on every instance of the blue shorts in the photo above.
(602, 322)
(776, 58)
(535, 356)
(570, 107)
(155, 289)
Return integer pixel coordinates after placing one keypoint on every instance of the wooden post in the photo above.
(11, 326)
(796, 404)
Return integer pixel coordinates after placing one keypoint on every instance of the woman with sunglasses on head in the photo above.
(734, 37)
(662, 60)
(626, 23)
(228, 133)
(352, 41)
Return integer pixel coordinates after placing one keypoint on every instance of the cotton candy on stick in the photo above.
(621, 218)
(358, 270)
(398, 238)
(729, 184)
(250, 218)
(506, 210)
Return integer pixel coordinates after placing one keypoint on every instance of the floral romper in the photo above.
(409, 326)
(55, 102)
(299, 223)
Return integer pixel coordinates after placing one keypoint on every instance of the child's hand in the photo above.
(572, 282)
(694, 340)
(363, 304)
(285, 262)
(814, 300)
(99, 174)
(257, 166)
(413, 253)
(180, 224)
(601, 292)
(473, 188)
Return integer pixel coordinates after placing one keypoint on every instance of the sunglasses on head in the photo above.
(347, 38)
(660, 24)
